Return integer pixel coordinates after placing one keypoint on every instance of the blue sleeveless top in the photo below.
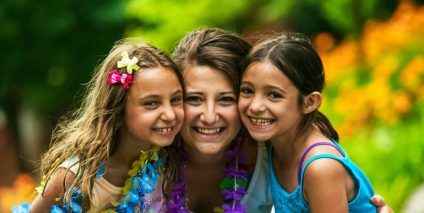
(295, 202)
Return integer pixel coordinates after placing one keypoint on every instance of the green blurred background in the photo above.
(373, 52)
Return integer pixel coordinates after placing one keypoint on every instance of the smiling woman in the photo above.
(212, 119)
(215, 157)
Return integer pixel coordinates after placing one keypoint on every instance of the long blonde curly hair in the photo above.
(90, 132)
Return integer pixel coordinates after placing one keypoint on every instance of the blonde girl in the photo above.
(106, 155)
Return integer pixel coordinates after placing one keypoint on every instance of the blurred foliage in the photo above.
(164, 22)
(378, 77)
(375, 96)
(392, 157)
(50, 48)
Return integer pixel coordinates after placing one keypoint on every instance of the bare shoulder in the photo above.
(54, 190)
(325, 186)
(324, 169)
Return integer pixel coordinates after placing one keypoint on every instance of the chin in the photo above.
(162, 143)
(260, 137)
(209, 149)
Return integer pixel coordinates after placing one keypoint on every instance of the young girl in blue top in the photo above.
(279, 99)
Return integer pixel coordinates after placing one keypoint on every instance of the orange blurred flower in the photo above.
(390, 88)
(21, 191)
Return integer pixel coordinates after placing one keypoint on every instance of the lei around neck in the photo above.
(233, 186)
(144, 175)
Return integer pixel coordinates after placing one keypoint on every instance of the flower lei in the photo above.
(233, 186)
(144, 176)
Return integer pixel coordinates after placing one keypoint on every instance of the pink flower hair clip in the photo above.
(115, 78)
(125, 79)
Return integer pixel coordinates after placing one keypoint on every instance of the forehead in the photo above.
(205, 76)
(265, 73)
(158, 78)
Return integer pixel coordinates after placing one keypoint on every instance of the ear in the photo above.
(312, 102)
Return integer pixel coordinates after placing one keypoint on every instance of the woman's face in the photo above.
(211, 115)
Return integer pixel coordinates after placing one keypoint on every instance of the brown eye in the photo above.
(227, 100)
(274, 95)
(151, 104)
(246, 91)
(176, 100)
(193, 100)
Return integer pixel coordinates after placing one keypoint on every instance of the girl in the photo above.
(106, 156)
(216, 172)
(279, 99)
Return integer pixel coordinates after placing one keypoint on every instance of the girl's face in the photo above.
(268, 102)
(154, 107)
(211, 116)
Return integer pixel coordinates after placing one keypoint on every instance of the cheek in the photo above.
(179, 111)
(191, 112)
(242, 104)
(231, 115)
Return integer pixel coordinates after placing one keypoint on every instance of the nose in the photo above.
(209, 114)
(168, 113)
(256, 105)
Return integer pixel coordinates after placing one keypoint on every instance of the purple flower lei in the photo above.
(233, 186)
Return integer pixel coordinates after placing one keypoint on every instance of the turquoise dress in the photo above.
(295, 202)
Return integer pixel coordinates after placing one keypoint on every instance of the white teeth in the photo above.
(164, 130)
(208, 131)
(261, 122)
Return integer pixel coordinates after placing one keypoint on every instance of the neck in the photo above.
(289, 146)
(202, 160)
(128, 149)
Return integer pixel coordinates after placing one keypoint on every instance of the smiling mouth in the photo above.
(208, 131)
(163, 130)
(261, 122)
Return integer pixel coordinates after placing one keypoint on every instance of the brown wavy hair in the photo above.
(91, 131)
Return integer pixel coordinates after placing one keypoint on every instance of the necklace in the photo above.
(233, 186)
(144, 176)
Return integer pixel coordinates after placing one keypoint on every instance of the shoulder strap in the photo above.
(302, 159)
(101, 170)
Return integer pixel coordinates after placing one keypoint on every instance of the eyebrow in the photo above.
(227, 93)
(194, 93)
(276, 88)
(267, 86)
(154, 96)
(178, 91)
(149, 97)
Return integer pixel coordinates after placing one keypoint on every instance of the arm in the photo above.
(325, 186)
(54, 191)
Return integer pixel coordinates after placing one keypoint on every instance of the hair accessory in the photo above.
(125, 79)
(131, 64)
(115, 78)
